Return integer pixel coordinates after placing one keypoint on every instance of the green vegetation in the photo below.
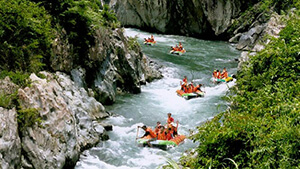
(18, 78)
(262, 128)
(171, 164)
(9, 100)
(28, 118)
(5, 100)
(133, 43)
(27, 31)
(25, 36)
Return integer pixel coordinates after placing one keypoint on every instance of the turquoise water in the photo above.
(159, 98)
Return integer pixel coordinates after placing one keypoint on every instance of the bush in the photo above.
(18, 78)
(28, 118)
(25, 36)
(5, 100)
(133, 43)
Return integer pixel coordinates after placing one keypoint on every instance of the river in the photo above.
(159, 98)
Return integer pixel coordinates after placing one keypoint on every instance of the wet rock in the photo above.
(151, 70)
(69, 122)
(107, 127)
(78, 76)
(10, 144)
(236, 38)
(248, 39)
(255, 39)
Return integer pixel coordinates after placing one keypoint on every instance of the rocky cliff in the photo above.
(260, 31)
(109, 65)
(203, 19)
(69, 124)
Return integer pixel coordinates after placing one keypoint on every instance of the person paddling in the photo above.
(180, 46)
(214, 75)
(197, 88)
(162, 134)
(148, 132)
(224, 73)
(185, 80)
(157, 127)
(152, 38)
(218, 74)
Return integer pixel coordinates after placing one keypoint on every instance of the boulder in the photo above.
(236, 38)
(256, 38)
(69, 122)
(248, 39)
(10, 144)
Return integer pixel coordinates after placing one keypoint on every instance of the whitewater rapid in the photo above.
(159, 98)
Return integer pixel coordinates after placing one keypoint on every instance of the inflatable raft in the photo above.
(188, 96)
(178, 52)
(228, 79)
(162, 144)
(150, 43)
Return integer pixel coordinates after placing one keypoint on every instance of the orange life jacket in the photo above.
(189, 90)
(161, 136)
(152, 134)
(156, 130)
(196, 88)
(180, 47)
(225, 74)
(169, 135)
(184, 89)
(218, 75)
(215, 74)
(183, 86)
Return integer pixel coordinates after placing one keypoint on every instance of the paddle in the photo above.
(137, 133)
